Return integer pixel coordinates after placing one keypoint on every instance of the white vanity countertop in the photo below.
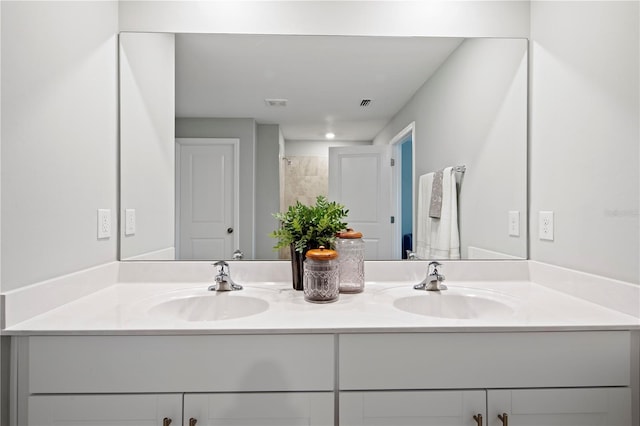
(128, 308)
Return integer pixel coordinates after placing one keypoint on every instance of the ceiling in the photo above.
(323, 78)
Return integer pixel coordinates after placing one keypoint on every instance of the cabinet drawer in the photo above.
(484, 360)
(112, 364)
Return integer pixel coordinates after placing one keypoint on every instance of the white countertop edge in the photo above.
(332, 331)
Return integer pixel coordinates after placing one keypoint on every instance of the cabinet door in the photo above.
(104, 410)
(408, 408)
(561, 407)
(260, 409)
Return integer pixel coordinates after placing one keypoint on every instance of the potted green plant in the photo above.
(304, 227)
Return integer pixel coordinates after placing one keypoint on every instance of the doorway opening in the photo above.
(403, 179)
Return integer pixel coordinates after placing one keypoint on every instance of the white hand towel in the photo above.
(438, 238)
(423, 231)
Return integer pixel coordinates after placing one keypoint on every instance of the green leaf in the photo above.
(310, 226)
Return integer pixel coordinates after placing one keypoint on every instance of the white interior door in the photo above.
(360, 178)
(207, 198)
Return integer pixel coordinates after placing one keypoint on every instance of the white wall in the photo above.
(59, 137)
(147, 142)
(585, 135)
(267, 188)
(473, 112)
(402, 18)
(245, 130)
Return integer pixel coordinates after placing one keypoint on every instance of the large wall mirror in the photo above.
(220, 131)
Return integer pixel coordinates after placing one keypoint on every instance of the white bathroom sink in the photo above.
(210, 306)
(457, 303)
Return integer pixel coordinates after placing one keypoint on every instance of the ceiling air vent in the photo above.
(365, 102)
(276, 102)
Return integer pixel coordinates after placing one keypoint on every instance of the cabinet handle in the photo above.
(192, 421)
(478, 419)
(504, 419)
(166, 421)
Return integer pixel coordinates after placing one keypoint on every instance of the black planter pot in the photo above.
(297, 271)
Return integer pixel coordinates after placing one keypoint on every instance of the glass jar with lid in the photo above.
(321, 279)
(350, 248)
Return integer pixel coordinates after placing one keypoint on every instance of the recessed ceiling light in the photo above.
(329, 135)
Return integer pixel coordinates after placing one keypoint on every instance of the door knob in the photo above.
(229, 230)
(478, 419)
(166, 421)
(192, 421)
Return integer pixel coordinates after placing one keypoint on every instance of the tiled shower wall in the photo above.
(305, 178)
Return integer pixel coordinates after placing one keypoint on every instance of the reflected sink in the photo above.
(457, 304)
(211, 306)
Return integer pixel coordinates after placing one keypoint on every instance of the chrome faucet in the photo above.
(433, 280)
(223, 281)
(412, 255)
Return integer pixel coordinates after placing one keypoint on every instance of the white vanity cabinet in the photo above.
(141, 380)
(399, 379)
(534, 378)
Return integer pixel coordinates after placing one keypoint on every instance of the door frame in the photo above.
(396, 185)
(235, 143)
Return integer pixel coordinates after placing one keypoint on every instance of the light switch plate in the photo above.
(545, 225)
(104, 223)
(129, 221)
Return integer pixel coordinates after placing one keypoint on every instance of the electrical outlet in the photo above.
(104, 223)
(514, 223)
(129, 221)
(545, 226)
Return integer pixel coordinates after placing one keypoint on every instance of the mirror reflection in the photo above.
(220, 131)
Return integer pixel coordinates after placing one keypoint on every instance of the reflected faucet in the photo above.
(223, 281)
(433, 280)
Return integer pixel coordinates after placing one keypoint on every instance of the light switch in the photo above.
(514, 223)
(104, 223)
(130, 221)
